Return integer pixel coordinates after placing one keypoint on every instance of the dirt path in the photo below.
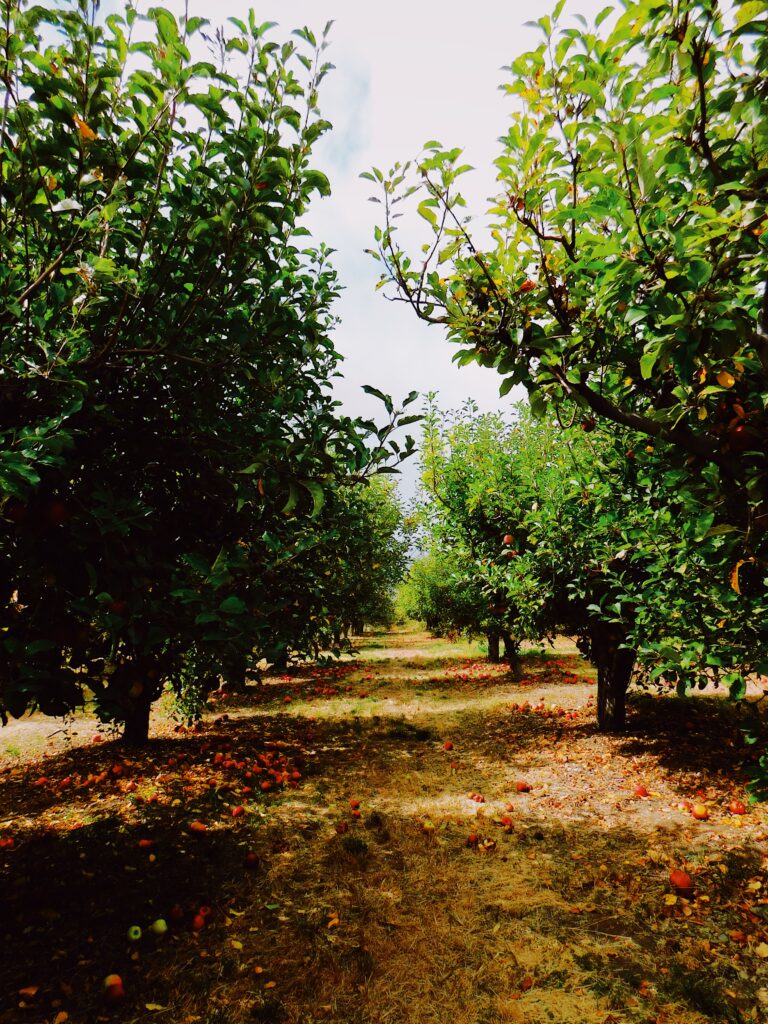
(368, 857)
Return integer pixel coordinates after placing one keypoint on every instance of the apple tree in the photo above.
(574, 532)
(621, 280)
(167, 434)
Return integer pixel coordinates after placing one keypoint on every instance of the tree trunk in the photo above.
(136, 730)
(494, 652)
(234, 675)
(512, 654)
(614, 670)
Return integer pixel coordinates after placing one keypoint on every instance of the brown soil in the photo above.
(551, 905)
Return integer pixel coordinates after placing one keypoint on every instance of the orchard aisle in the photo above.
(414, 837)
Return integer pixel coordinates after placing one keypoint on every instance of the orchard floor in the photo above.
(557, 909)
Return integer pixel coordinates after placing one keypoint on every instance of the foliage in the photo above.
(623, 283)
(571, 531)
(375, 542)
(627, 269)
(168, 439)
(443, 591)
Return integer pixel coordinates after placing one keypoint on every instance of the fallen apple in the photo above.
(113, 988)
(134, 933)
(641, 791)
(737, 807)
(448, 745)
(523, 787)
(681, 880)
(159, 927)
(699, 812)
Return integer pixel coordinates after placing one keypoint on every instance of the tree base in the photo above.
(614, 665)
(136, 729)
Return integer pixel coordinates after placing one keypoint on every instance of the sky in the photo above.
(405, 72)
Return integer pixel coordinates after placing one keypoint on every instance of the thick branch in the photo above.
(675, 434)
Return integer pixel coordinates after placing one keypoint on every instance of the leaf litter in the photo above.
(367, 882)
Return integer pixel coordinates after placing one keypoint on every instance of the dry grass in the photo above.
(559, 915)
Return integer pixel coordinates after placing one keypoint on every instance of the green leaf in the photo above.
(388, 403)
(427, 211)
(318, 496)
(647, 362)
(702, 525)
(233, 605)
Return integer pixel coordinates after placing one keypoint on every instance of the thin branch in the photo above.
(698, 52)
(543, 236)
(633, 205)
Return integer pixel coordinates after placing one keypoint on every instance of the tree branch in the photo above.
(676, 434)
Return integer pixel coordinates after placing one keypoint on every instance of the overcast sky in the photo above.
(405, 72)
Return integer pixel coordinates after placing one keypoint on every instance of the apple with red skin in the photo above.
(737, 807)
(523, 787)
(251, 859)
(681, 881)
(113, 988)
(508, 538)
